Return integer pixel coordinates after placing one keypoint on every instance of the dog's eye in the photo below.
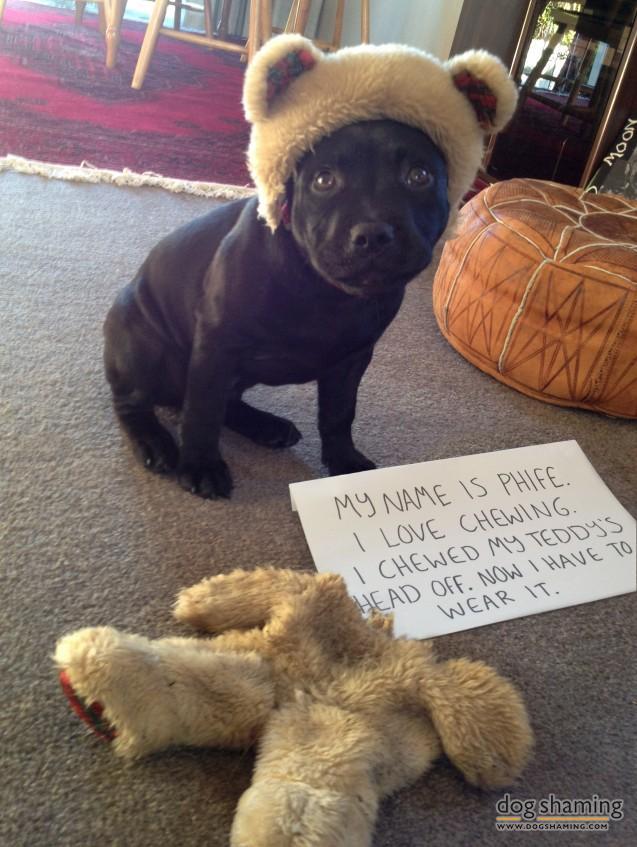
(324, 181)
(418, 177)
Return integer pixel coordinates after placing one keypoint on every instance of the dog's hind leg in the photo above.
(261, 427)
(138, 373)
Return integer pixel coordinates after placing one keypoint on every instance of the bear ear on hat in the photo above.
(485, 82)
(275, 67)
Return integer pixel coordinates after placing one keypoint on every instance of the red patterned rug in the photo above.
(59, 103)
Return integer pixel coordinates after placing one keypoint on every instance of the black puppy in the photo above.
(223, 303)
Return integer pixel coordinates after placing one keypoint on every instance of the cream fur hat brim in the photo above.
(294, 95)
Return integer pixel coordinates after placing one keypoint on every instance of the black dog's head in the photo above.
(368, 204)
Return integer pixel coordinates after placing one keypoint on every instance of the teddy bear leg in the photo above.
(315, 781)
(481, 720)
(238, 599)
(156, 694)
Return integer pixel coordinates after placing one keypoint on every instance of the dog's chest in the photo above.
(299, 345)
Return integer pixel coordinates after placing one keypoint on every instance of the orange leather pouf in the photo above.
(539, 289)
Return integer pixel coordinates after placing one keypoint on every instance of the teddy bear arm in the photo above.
(169, 692)
(240, 599)
(481, 721)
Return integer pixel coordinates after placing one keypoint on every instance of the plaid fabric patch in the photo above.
(480, 96)
(90, 713)
(286, 70)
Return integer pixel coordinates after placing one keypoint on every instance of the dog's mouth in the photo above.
(370, 285)
(373, 278)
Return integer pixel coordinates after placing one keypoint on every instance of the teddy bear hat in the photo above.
(294, 95)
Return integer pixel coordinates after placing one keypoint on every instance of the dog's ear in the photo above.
(276, 67)
(486, 84)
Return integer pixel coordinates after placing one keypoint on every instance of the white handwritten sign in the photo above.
(459, 543)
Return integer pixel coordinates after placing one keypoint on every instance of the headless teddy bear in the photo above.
(343, 712)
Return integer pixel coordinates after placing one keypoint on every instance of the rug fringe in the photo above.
(86, 172)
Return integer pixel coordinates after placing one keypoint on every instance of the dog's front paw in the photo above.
(206, 479)
(156, 450)
(343, 462)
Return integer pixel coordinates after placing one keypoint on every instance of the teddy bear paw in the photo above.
(199, 606)
(493, 770)
(481, 720)
(83, 661)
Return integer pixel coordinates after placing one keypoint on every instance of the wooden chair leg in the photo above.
(303, 15)
(254, 28)
(291, 21)
(338, 25)
(79, 11)
(297, 19)
(265, 32)
(101, 11)
(222, 25)
(207, 17)
(259, 26)
(149, 42)
(177, 18)
(2, 4)
(114, 15)
(364, 21)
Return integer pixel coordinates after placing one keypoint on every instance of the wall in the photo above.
(428, 24)
(476, 29)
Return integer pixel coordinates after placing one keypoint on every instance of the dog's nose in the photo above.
(370, 238)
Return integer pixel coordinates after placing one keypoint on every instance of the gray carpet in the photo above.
(91, 538)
